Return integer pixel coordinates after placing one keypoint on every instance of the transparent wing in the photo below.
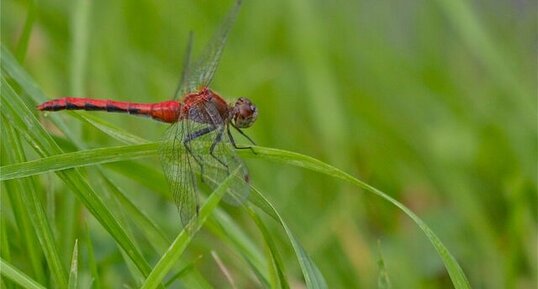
(221, 160)
(186, 66)
(239, 189)
(178, 168)
(201, 73)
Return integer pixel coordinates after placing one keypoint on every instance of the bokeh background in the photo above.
(432, 102)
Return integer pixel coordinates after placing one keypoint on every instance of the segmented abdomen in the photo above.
(166, 111)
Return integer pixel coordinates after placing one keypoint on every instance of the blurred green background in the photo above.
(433, 102)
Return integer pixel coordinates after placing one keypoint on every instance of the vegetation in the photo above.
(426, 113)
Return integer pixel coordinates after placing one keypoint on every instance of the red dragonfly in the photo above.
(199, 140)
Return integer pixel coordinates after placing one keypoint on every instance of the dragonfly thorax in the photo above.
(244, 113)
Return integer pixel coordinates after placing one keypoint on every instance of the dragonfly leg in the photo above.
(217, 140)
(187, 146)
(246, 136)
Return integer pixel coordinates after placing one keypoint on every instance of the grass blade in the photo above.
(226, 229)
(295, 159)
(109, 129)
(454, 270)
(83, 158)
(20, 116)
(28, 205)
(155, 236)
(32, 94)
(313, 277)
(17, 276)
(91, 261)
(22, 45)
(12, 152)
(73, 272)
(383, 280)
(185, 236)
(276, 260)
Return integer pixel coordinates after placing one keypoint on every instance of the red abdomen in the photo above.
(166, 111)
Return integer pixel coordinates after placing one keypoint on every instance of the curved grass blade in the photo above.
(454, 270)
(20, 116)
(182, 240)
(313, 277)
(456, 273)
(224, 227)
(31, 92)
(155, 236)
(84, 158)
(182, 271)
(277, 262)
(17, 276)
(27, 203)
(108, 128)
(12, 152)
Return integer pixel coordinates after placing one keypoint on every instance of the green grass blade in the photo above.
(461, 14)
(26, 202)
(92, 263)
(454, 270)
(73, 272)
(5, 250)
(128, 211)
(5, 232)
(195, 279)
(110, 129)
(155, 236)
(182, 271)
(226, 229)
(91, 157)
(22, 45)
(79, 45)
(12, 152)
(82, 158)
(275, 258)
(19, 115)
(291, 158)
(383, 280)
(17, 276)
(32, 94)
(313, 277)
(183, 239)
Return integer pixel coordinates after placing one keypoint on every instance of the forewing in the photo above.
(178, 168)
(204, 67)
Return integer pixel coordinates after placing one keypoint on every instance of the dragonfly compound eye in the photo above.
(245, 113)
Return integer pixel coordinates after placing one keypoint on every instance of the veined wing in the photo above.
(202, 71)
(221, 160)
(178, 168)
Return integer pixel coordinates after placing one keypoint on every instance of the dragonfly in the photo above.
(199, 141)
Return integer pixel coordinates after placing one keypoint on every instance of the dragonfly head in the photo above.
(244, 113)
